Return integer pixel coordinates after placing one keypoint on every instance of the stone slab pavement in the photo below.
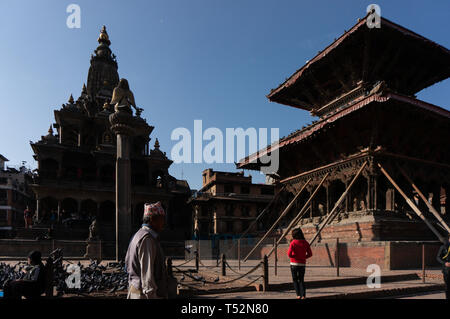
(332, 289)
(329, 292)
(312, 273)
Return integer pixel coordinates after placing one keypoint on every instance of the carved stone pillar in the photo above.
(37, 207)
(79, 207)
(125, 126)
(372, 177)
(122, 126)
(59, 210)
(327, 201)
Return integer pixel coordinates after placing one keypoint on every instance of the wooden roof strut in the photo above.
(411, 204)
(300, 214)
(334, 212)
(430, 207)
(285, 211)
(257, 218)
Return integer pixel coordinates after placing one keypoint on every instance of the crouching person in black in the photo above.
(443, 258)
(31, 286)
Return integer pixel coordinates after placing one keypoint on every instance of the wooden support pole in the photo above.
(100, 250)
(411, 204)
(263, 212)
(423, 262)
(169, 267)
(334, 212)
(285, 211)
(265, 263)
(308, 202)
(196, 260)
(239, 253)
(301, 212)
(275, 198)
(275, 246)
(429, 205)
(337, 257)
(224, 268)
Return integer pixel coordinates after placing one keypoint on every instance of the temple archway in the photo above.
(69, 208)
(48, 206)
(88, 209)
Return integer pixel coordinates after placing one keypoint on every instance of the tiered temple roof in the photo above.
(360, 58)
(363, 68)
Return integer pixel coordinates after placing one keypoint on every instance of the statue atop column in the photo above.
(123, 98)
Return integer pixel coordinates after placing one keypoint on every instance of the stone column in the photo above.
(78, 208)
(122, 126)
(59, 210)
(97, 213)
(37, 208)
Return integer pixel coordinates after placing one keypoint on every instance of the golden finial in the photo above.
(50, 130)
(156, 144)
(71, 99)
(103, 37)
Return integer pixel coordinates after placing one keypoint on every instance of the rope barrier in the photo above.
(219, 283)
(228, 265)
(230, 290)
(184, 263)
(217, 264)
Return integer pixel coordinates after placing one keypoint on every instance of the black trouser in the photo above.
(15, 289)
(298, 276)
(447, 283)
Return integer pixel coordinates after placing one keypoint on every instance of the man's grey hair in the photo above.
(146, 219)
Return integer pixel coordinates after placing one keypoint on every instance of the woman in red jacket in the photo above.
(299, 251)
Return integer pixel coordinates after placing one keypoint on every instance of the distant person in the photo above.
(28, 217)
(53, 217)
(145, 262)
(443, 258)
(31, 286)
(299, 250)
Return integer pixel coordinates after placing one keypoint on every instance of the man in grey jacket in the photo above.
(145, 262)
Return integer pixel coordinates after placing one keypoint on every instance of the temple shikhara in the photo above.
(374, 169)
(76, 163)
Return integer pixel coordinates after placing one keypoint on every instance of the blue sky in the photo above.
(185, 60)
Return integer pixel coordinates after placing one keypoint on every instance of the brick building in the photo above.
(227, 204)
(15, 194)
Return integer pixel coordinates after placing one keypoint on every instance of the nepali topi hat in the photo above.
(154, 209)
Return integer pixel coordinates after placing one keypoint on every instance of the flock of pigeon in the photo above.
(93, 277)
(8, 272)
